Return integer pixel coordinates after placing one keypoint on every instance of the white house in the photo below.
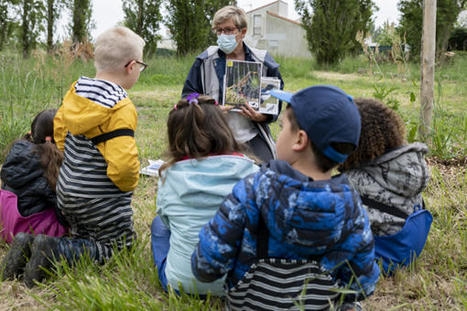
(270, 29)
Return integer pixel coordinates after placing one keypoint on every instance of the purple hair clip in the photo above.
(192, 98)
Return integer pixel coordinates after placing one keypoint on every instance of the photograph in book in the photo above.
(269, 104)
(242, 84)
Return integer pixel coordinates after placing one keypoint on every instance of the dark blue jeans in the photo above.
(160, 244)
(73, 249)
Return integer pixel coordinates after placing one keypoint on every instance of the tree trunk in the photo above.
(427, 68)
(50, 25)
(25, 29)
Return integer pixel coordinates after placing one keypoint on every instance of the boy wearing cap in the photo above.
(308, 213)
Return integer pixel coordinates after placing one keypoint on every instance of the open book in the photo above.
(243, 83)
(153, 168)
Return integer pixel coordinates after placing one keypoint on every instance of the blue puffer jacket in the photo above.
(305, 218)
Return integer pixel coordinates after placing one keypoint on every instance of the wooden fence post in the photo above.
(427, 68)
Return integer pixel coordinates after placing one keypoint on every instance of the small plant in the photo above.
(382, 92)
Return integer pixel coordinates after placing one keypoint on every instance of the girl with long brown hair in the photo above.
(28, 199)
(205, 162)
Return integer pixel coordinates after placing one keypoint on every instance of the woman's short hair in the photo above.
(382, 131)
(237, 15)
(115, 47)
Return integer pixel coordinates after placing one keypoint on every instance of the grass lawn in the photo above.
(437, 281)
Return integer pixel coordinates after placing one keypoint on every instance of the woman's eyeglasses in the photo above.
(226, 31)
(143, 65)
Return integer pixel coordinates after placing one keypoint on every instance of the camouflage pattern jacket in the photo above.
(397, 179)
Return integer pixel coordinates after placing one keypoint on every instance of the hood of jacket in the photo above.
(82, 114)
(22, 174)
(21, 166)
(313, 216)
(402, 171)
(205, 181)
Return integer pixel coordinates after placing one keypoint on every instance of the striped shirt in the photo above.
(283, 284)
(84, 170)
(93, 205)
(102, 92)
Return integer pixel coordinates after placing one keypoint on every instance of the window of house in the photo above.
(273, 43)
(257, 24)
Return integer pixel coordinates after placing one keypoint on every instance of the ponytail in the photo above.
(51, 159)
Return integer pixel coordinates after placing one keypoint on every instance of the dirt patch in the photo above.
(157, 94)
(336, 75)
(449, 167)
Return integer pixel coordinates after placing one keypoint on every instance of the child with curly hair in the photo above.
(390, 176)
(204, 164)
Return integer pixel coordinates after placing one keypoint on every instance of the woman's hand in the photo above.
(252, 114)
(225, 109)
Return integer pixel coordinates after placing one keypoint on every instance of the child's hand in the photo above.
(252, 114)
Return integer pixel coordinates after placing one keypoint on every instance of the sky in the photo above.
(107, 13)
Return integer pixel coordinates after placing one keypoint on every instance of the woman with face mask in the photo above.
(207, 77)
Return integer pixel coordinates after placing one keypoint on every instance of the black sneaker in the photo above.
(14, 261)
(43, 251)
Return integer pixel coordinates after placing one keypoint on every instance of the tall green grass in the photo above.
(129, 281)
(29, 86)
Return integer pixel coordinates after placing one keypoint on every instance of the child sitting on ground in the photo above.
(390, 177)
(292, 209)
(28, 202)
(204, 165)
(95, 126)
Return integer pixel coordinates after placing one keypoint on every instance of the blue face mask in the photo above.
(226, 43)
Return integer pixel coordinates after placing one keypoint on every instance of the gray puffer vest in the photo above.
(396, 179)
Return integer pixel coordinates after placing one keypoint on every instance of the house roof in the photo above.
(262, 7)
(284, 18)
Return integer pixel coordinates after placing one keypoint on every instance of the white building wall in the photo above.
(274, 34)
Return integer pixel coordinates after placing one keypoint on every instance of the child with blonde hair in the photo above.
(95, 127)
(204, 164)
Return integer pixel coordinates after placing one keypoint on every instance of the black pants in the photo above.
(260, 149)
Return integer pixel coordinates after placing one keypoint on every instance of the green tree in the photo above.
(190, 23)
(331, 26)
(384, 34)
(32, 14)
(411, 23)
(52, 13)
(6, 24)
(81, 23)
(144, 18)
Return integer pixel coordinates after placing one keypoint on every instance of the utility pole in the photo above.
(427, 68)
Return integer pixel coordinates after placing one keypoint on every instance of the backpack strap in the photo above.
(115, 133)
(262, 243)
(383, 207)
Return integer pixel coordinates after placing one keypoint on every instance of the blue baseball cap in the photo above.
(327, 115)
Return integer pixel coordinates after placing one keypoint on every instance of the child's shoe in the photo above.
(15, 260)
(43, 251)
